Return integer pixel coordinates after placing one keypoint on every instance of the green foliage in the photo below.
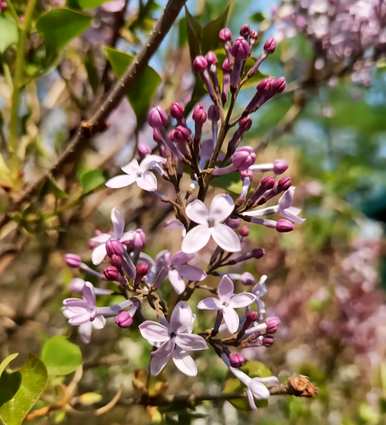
(60, 26)
(91, 179)
(8, 32)
(90, 4)
(61, 356)
(231, 182)
(20, 390)
(141, 95)
(4, 364)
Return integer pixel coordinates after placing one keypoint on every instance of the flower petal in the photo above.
(209, 303)
(180, 258)
(132, 168)
(197, 212)
(251, 400)
(148, 181)
(221, 207)
(181, 318)
(122, 180)
(258, 389)
(176, 281)
(98, 254)
(225, 288)
(160, 357)
(88, 293)
(99, 322)
(79, 319)
(85, 332)
(189, 272)
(154, 332)
(287, 198)
(196, 239)
(231, 319)
(151, 161)
(242, 300)
(191, 342)
(185, 364)
(226, 238)
(118, 223)
(99, 239)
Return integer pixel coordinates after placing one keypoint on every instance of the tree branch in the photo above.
(96, 123)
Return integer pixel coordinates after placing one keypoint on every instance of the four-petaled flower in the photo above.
(285, 208)
(210, 224)
(226, 302)
(256, 387)
(118, 233)
(139, 173)
(174, 340)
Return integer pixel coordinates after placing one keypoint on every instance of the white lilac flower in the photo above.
(174, 341)
(226, 302)
(211, 224)
(141, 174)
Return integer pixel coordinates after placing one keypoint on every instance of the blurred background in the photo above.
(326, 280)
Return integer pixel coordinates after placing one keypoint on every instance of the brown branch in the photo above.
(96, 123)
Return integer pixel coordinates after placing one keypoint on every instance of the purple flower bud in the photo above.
(225, 34)
(251, 316)
(226, 65)
(138, 240)
(112, 273)
(233, 223)
(114, 247)
(200, 63)
(3, 5)
(253, 35)
(116, 260)
(246, 173)
(280, 166)
(157, 117)
(243, 158)
(211, 58)
(177, 111)
(245, 30)
(72, 260)
(142, 268)
(213, 113)
(272, 324)
(236, 359)
(270, 45)
(279, 85)
(284, 183)
(123, 319)
(199, 114)
(157, 136)
(244, 231)
(240, 48)
(245, 124)
(267, 182)
(257, 253)
(143, 150)
(284, 226)
(181, 134)
(268, 340)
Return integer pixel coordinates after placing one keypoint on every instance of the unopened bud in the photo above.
(200, 64)
(213, 113)
(114, 247)
(244, 231)
(251, 316)
(280, 166)
(199, 114)
(177, 111)
(257, 253)
(72, 260)
(233, 223)
(116, 260)
(284, 183)
(240, 48)
(181, 134)
(236, 359)
(284, 226)
(267, 182)
(272, 324)
(226, 65)
(245, 123)
(112, 273)
(142, 268)
(268, 340)
(211, 58)
(245, 30)
(123, 319)
(243, 158)
(225, 34)
(143, 150)
(138, 240)
(157, 117)
(270, 45)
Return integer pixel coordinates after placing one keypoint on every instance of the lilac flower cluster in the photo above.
(205, 148)
(348, 33)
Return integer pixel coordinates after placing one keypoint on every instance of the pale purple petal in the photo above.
(226, 288)
(197, 212)
(191, 342)
(185, 364)
(181, 258)
(231, 319)
(287, 198)
(181, 319)
(226, 238)
(89, 294)
(100, 239)
(151, 162)
(99, 322)
(251, 400)
(113, 6)
(98, 254)
(259, 390)
(242, 300)
(127, 236)
(209, 303)
(189, 272)
(160, 357)
(221, 207)
(293, 214)
(118, 223)
(132, 168)
(85, 332)
(154, 332)
(148, 181)
(196, 239)
(176, 281)
(269, 380)
(77, 320)
(122, 180)
(75, 302)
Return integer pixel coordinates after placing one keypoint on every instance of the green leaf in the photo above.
(91, 179)
(145, 86)
(210, 40)
(256, 369)
(90, 4)
(61, 356)
(60, 26)
(56, 189)
(20, 390)
(230, 182)
(233, 385)
(258, 17)
(4, 364)
(8, 32)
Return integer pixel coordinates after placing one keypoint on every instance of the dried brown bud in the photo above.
(301, 386)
